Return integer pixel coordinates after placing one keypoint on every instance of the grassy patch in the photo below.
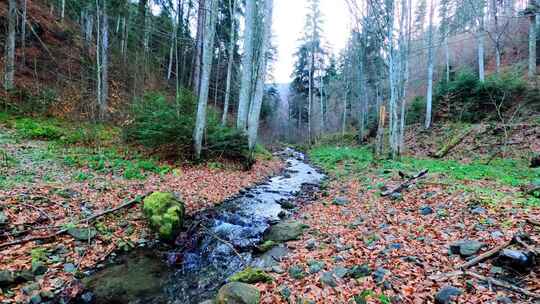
(347, 160)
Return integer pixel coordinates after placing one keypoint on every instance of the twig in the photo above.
(489, 280)
(39, 210)
(484, 256)
(406, 184)
(62, 231)
(224, 242)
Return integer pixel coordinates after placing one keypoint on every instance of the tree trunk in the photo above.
(232, 44)
(255, 110)
(63, 11)
(23, 29)
(429, 93)
(322, 103)
(10, 46)
(196, 79)
(481, 35)
(247, 61)
(103, 105)
(532, 46)
(210, 10)
(447, 58)
(174, 37)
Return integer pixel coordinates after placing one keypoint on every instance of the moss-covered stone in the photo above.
(267, 245)
(238, 293)
(251, 276)
(285, 231)
(165, 213)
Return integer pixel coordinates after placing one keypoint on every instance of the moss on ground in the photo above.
(165, 213)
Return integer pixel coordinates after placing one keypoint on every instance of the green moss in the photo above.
(165, 213)
(251, 276)
(267, 245)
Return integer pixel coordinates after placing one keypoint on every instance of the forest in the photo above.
(151, 151)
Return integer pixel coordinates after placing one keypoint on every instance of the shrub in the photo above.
(165, 213)
(157, 123)
(467, 99)
(34, 129)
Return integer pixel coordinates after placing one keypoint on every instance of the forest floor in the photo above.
(363, 247)
(55, 174)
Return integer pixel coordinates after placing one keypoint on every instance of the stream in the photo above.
(218, 243)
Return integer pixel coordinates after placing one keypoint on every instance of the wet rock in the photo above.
(340, 272)
(6, 278)
(504, 300)
(379, 275)
(340, 201)
(278, 269)
(516, 260)
(238, 293)
(328, 279)
(287, 204)
(165, 213)
(466, 248)
(447, 294)
(359, 271)
(35, 299)
(82, 234)
(87, 297)
(264, 247)
(251, 276)
(315, 266)
(297, 272)
(69, 267)
(272, 257)
(311, 244)
(140, 277)
(396, 196)
(426, 210)
(285, 231)
(285, 292)
(478, 210)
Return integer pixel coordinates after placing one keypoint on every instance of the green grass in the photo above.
(346, 160)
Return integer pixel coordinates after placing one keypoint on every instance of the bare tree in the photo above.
(10, 46)
(429, 93)
(247, 62)
(232, 44)
(210, 12)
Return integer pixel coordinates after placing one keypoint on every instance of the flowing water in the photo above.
(220, 241)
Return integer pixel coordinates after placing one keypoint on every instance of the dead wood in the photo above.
(486, 255)
(406, 184)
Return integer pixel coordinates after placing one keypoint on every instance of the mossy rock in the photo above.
(165, 213)
(285, 231)
(251, 276)
(238, 293)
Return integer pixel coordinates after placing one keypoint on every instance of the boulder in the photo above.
(6, 278)
(297, 272)
(315, 266)
(165, 213)
(359, 271)
(447, 294)
(285, 231)
(516, 260)
(328, 279)
(251, 276)
(466, 248)
(238, 293)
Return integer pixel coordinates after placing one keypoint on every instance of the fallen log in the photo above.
(456, 140)
(65, 230)
(489, 280)
(406, 184)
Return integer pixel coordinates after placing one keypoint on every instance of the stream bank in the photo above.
(218, 242)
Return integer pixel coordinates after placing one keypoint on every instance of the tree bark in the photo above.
(23, 28)
(210, 10)
(532, 46)
(104, 63)
(247, 62)
(481, 35)
(197, 59)
(232, 44)
(255, 110)
(429, 93)
(10, 46)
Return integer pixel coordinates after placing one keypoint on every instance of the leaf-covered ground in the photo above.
(48, 185)
(396, 248)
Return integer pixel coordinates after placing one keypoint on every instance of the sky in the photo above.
(288, 25)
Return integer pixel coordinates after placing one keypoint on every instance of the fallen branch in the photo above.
(406, 184)
(215, 236)
(489, 280)
(533, 222)
(64, 230)
(484, 256)
(527, 246)
(456, 140)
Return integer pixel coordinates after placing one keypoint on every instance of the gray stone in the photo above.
(504, 300)
(272, 257)
(278, 269)
(359, 271)
(466, 248)
(315, 266)
(396, 196)
(238, 293)
(340, 201)
(340, 272)
(311, 244)
(285, 292)
(297, 272)
(328, 279)
(479, 210)
(69, 267)
(516, 260)
(38, 268)
(30, 288)
(82, 234)
(447, 294)
(6, 278)
(379, 275)
(426, 210)
(35, 299)
(285, 231)
(3, 219)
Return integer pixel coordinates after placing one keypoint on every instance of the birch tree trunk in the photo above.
(23, 29)
(196, 79)
(210, 10)
(247, 62)
(322, 103)
(104, 63)
(10, 46)
(63, 11)
(174, 37)
(429, 93)
(232, 43)
(255, 110)
(532, 46)
(481, 38)
(98, 58)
